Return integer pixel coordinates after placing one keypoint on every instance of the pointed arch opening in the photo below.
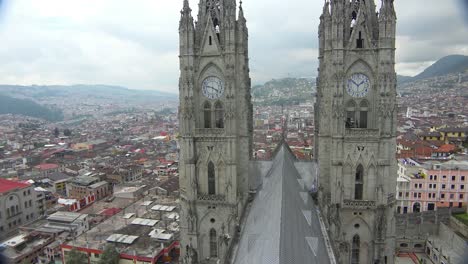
(213, 243)
(359, 183)
(355, 249)
(363, 114)
(351, 114)
(219, 115)
(207, 115)
(211, 179)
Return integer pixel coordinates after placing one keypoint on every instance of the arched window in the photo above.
(351, 114)
(207, 114)
(356, 247)
(213, 244)
(363, 114)
(219, 115)
(211, 179)
(359, 183)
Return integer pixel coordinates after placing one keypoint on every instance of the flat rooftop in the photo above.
(66, 217)
(137, 229)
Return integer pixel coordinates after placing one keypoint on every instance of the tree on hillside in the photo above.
(56, 132)
(110, 255)
(67, 132)
(76, 257)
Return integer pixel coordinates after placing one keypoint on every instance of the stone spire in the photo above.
(241, 18)
(326, 9)
(186, 19)
(387, 10)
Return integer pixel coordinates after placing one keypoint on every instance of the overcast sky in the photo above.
(134, 43)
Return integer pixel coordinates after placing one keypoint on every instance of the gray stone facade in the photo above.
(356, 128)
(215, 129)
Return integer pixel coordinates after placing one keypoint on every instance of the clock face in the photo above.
(358, 85)
(213, 87)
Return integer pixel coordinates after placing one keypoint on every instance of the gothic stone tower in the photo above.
(356, 121)
(215, 129)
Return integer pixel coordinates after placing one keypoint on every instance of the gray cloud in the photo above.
(135, 43)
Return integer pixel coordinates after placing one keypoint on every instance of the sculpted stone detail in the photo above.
(357, 204)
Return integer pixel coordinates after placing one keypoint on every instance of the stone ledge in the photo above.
(358, 204)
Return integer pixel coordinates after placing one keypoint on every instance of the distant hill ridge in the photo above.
(66, 90)
(10, 105)
(447, 65)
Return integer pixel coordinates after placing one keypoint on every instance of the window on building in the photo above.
(443, 186)
(430, 186)
(207, 114)
(415, 195)
(435, 186)
(435, 177)
(415, 185)
(400, 194)
(452, 196)
(407, 194)
(419, 195)
(420, 185)
(359, 183)
(210, 41)
(355, 250)
(431, 177)
(462, 187)
(452, 186)
(454, 178)
(351, 114)
(444, 177)
(213, 244)
(360, 41)
(416, 208)
(211, 179)
(463, 178)
(442, 195)
(219, 115)
(461, 195)
(363, 114)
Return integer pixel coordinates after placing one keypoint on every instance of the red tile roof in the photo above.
(7, 185)
(446, 148)
(110, 211)
(46, 166)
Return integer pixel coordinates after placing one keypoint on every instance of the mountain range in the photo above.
(447, 65)
(51, 102)
(48, 102)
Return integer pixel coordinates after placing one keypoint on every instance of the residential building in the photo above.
(145, 232)
(426, 187)
(84, 186)
(25, 248)
(18, 205)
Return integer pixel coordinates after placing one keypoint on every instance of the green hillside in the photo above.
(10, 105)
